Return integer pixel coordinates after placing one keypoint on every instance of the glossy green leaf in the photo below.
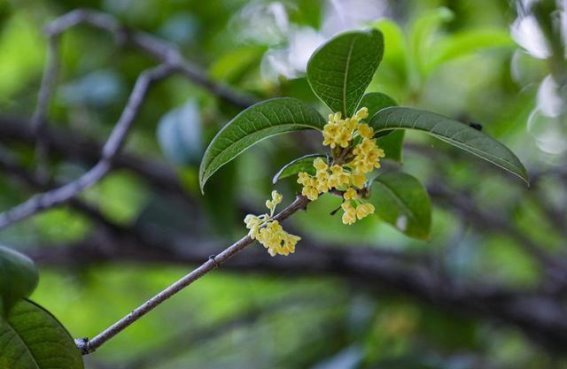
(403, 202)
(18, 276)
(392, 144)
(340, 71)
(260, 121)
(453, 132)
(302, 164)
(32, 338)
(390, 141)
(376, 101)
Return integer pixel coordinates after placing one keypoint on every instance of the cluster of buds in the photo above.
(269, 231)
(355, 154)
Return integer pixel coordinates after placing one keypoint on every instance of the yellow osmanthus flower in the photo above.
(361, 158)
(349, 215)
(367, 156)
(269, 232)
(350, 194)
(364, 209)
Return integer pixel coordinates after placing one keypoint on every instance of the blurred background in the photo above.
(487, 290)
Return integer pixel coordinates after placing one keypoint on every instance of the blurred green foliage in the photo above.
(450, 56)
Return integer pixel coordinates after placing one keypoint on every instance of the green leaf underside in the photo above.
(392, 145)
(340, 71)
(302, 164)
(453, 132)
(260, 121)
(31, 338)
(376, 101)
(403, 202)
(18, 276)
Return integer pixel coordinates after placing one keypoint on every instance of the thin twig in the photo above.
(88, 346)
(39, 118)
(160, 50)
(111, 148)
(32, 180)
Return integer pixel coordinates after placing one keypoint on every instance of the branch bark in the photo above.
(111, 148)
(158, 49)
(88, 346)
(538, 314)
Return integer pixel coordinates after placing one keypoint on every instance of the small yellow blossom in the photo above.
(366, 156)
(364, 209)
(365, 130)
(320, 164)
(309, 186)
(269, 232)
(350, 194)
(339, 177)
(362, 113)
(348, 172)
(275, 201)
(349, 216)
(358, 180)
(339, 132)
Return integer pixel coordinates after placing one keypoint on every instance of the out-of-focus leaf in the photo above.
(340, 71)
(453, 132)
(421, 35)
(180, 134)
(96, 89)
(18, 278)
(120, 196)
(302, 164)
(21, 53)
(233, 65)
(402, 201)
(396, 50)
(32, 338)
(258, 122)
(466, 43)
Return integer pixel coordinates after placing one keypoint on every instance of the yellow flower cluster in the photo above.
(362, 159)
(269, 232)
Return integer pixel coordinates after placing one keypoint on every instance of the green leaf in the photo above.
(396, 55)
(18, 277)
(453, 132)
(376, 101)
(32, 338)
(421, 37)
(260, 121)
(392, 144)
(340, 71)
(390, 141)
(466, 43)
(403, 202)
(302, 164)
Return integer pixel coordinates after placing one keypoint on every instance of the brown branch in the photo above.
(88, 346)
(58, 196)
(77, 148)
(491, 221)
(160, 50)
(538, 314)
